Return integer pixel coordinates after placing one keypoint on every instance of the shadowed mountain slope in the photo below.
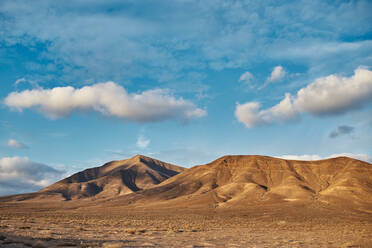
(239, 181)
(115, 178)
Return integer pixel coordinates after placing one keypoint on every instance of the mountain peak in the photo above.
(115, 178)
(139, 157)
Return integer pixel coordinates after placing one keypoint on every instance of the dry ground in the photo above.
(261, 226)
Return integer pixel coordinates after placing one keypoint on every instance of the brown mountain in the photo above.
(228, 182)
(114, 178)
(240, 181)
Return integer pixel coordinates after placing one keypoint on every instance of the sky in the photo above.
(183, 81)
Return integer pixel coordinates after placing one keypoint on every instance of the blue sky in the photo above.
(86, 82)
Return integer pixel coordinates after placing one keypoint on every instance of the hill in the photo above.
(113, 179)
(241, 181)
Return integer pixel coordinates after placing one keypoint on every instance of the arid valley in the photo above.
(234, 201)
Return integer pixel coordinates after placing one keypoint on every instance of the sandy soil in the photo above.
(265, 226)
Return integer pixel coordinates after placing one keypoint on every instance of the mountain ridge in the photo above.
(231, 181)
(235, 181)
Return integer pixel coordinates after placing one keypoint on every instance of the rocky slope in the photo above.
(115, 178)
(239, 181)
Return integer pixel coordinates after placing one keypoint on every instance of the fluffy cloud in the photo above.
(341, 130)
(250, 114)
(18, 175)
(329, 95)
(16, 144)
(363, 157)
(335, 94)
(107, 98)
(277, 74)
(142, 142)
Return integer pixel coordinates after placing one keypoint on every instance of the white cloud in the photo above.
(306, 157)
(107, 98)
(251, 116)
(363, 157)
(18, 175)
(16, 144)
(246, 77)
(277, 74)
(329, 95)
(142, 142)
(335, 94)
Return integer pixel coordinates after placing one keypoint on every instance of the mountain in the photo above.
(235, 182)
(240, 181)
(114, 178)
